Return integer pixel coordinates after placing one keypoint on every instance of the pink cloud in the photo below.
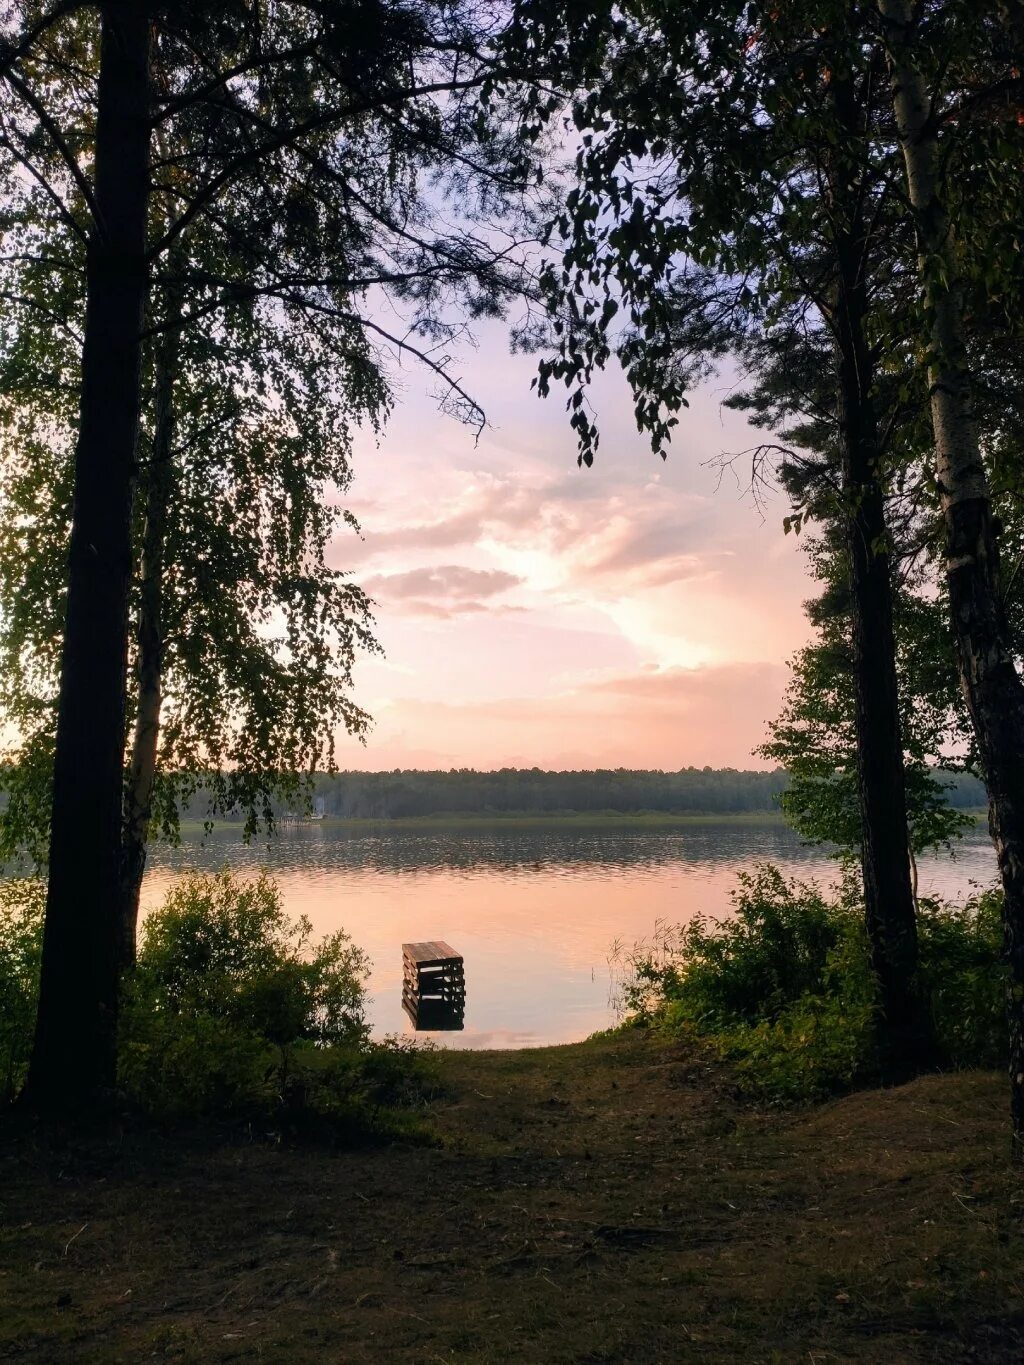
(443, 592)
(670, 718)
(447, 580)
(518, 596)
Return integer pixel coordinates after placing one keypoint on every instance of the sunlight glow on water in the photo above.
(534, 912)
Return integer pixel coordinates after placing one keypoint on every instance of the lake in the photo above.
(534, 911)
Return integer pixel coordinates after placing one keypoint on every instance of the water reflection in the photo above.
(434, 1016)
(498, 852)
(555, 899)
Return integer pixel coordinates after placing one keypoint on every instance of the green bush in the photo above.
(235, 1012)
(22, 903)
(784, 988)
(964, 978)
(226, 990)
(225, 947)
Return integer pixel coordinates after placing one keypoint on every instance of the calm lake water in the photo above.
(535, 913)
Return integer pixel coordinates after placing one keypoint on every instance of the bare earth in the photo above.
(606, 1202)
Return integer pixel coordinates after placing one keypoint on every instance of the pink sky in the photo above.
(636, 614)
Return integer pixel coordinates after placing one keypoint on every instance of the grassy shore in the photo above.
(611, 1201)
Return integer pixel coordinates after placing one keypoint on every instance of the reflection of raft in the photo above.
(433, 985)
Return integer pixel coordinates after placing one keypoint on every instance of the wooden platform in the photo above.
(433, 984)
(432, 954)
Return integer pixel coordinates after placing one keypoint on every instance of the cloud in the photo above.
(479, 503)
(587, 530)
(442, 592)
(447, 580)
(520, 597)
(721, 689)
(659, 718)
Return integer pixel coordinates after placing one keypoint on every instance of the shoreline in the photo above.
(555, 820)
(560, 820)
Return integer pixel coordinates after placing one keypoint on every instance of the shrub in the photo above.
(964, 978)
(235, 1012)
(227, 989)
(224, 947)
(22, 903)
(784, 988)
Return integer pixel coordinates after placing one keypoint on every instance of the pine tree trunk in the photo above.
(157, 483)
(74, 1055)
(991, 684)
(890, 913)
(888, 892)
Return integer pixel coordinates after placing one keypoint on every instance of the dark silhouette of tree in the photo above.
(944, 63)
(727, 188)
(302, 158)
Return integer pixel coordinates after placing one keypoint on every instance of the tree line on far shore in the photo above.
(535, 791)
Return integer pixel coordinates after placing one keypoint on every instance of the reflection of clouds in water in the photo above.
(534, 912)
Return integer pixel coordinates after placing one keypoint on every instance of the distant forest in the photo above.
(532, 791)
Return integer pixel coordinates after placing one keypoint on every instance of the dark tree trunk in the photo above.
(885, 859)
(157, 482)
(142, 763)
(890, 912)
(988, 674)
(75, 1051)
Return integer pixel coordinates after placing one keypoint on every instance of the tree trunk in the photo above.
(890, 914)
(74, 1056)
(991, 685)
(888, 892)
(145, 739)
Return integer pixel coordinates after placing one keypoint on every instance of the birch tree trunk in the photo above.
(157, 483)
(74, 1057)
(988, 674)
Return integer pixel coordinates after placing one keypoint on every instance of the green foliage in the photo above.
(784, 989)
(964, 978)
(222, 946)
(234, 1012)
(308, 160)
(813, 738)
(22, 903)
(227, 991)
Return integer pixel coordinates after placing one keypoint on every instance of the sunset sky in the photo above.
(638, 613)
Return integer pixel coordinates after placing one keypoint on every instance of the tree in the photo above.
(814, 740)
(286, 189)
(740, 144)
(932, 55)
(787, 395)
(74, 1055)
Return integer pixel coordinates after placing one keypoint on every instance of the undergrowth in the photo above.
(233, 1013)
(784, 988)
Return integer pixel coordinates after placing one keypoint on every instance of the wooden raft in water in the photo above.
(433, 985)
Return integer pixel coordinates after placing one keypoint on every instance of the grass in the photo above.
(611, 1201)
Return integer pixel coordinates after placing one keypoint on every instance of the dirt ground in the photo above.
(606, 1202)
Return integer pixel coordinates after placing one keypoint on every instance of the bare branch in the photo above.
(64, 151)
(11, 54)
